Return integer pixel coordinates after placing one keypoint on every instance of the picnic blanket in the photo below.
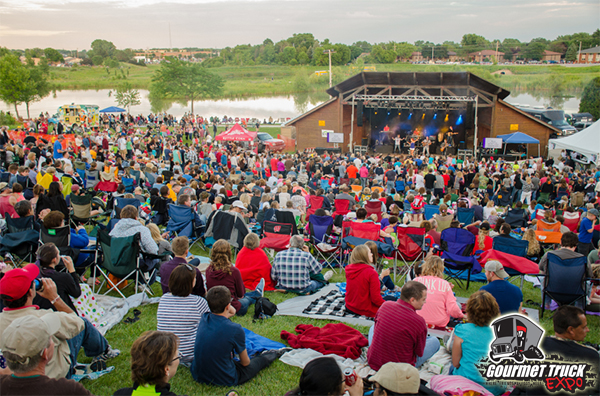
(255, 343)
(297, 305)
(336, 338)
(301, 357)
(115, 309)
(333, 303)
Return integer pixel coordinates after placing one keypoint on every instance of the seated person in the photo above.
(160, 205)
(188, 231)
(441, 303)
(218, 339)
(363, 291)
(398, 379)
(79, 237)
(323, 376)
(400, 334)
(221, 272)
(67, 283)
(508, 296)
(296, 270)
(28, 348)
(154, 361)
(384, 277)
(253, 264)
(594, 297)
(534, 251)
(180, 247)
(7, 201)
(504, 231)
(471, 340)
(180, 312)
(24, 209)
(483, 241)
(361, 217)
(164, 247)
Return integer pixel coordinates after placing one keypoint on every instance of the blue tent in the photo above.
(113, 109)
(519, 138)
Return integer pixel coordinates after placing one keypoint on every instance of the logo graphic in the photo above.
(517, 338)
(277, 228)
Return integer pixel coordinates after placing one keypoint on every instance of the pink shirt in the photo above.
(441, 302)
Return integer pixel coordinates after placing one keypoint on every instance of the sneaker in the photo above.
(109, 354)
(328, 275)
(261, 287)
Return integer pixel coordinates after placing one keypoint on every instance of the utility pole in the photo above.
(432, 48)
(329, 52)
(579, 54)
(497, 51)
(170, 44)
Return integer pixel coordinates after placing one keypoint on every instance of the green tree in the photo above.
(102, 48)
(37, 85)
(126, 96)
(53, 55)
(301, 82)
(572, 52)
(534, 50)
(404, 50)
(20, 83)
(590, 99)
(474, 42)
(190, 81)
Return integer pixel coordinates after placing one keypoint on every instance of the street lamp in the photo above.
(329, 52)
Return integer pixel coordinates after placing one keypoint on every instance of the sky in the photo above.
(142, 24)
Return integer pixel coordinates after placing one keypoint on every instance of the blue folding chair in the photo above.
(457, 248)
(184, 221)
(400, 186)
(128, 182)
(516, 218)
(565, 280)
(320, 230)
(119, 203)
(465, 215)
(325, 185)
(430, 211)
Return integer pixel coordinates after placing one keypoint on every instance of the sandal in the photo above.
(136, 317)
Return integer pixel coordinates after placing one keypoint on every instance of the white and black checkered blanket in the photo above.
(333, 303)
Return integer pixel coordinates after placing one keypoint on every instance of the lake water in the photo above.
(261, 107)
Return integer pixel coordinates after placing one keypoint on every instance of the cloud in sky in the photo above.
(74, 24)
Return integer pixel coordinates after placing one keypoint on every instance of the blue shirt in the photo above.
(57, 147)
(507, 295)
(217, 339)
(584, 235)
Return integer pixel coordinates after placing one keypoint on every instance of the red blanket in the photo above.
(517, 263)
(336, 338)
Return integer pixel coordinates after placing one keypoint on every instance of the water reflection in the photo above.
(302, 100)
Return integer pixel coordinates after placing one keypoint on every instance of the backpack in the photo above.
(264, 308)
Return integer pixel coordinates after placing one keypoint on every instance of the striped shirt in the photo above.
(181, 316)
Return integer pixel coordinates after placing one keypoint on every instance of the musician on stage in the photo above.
(450, 137)
(397, 143)
(426, 144)
(412, 147)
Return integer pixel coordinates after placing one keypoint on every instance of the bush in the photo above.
(7, 119)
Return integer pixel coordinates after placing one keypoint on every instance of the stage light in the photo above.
(460, 120)
(435, 116)
(423, 117)
(388, 112)
(446, 119)
(410, 115)
(375, 112)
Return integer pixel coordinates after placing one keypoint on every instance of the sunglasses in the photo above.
(188, 266)
(178, 357)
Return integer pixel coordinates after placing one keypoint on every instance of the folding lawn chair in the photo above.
(276, 237)
(182, 222)
(20, 241)
(128, 182)
(325, 185)
(342, 207)
(314, 204)
(400, 187)
(92, 178)
(82, 210)
(457, 247)
(412, 246)
(565, 280)
(572, 220)
(431, 210)
(373, 207)
(465, 215)
(327, 246)
(515, 247)
(516, 218)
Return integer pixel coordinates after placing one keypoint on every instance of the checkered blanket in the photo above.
(333, 303)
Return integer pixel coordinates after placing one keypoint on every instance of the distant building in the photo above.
(23, 60)
(163, 53)
(590, 55)
(73, 61)
(416, 57)
(453, 57)
(551, 56)
(485, 55)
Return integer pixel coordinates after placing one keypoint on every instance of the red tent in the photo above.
(237, 134)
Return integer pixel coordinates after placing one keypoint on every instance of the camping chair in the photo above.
(544, 197)
(283, 216)
(106, 186)
(565, 280)
(67, 182)
(128, 182)
(516, 218)
(314, 204)
(378, 189)
(150, 178)
(82, 209)
(276, 237)
(92, 178)
(355, 233)
(20, 241)
(374, 207)
(548, 233)
(327, 246)
(572, 220)
(356, 189)
(465, 215)
(121, 257)
(119, 203)
(400, 187)
(167, 176)
(431, 210)
(325, 185)
(412, 246)
(136, 174)
(443, 222)
(457, 247)
(342, 207)
(515, 247)
(344, 180)
(182, 222)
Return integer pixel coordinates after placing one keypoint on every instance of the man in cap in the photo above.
(28, 347)
(18, 289)
(398, 379)
(586, 232)
(508, 296)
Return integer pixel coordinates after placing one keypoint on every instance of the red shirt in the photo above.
(399, 335)
(446, 178)
(253, 265)
(351, 171)
(363, 291)
(274, 164)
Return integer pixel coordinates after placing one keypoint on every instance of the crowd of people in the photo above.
(231, 190)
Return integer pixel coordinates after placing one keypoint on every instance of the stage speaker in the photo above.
(470, 116)
(359, 113)
(365, 141)
(462, 145)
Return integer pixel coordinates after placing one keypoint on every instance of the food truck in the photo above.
(516, 337)
(80, 114)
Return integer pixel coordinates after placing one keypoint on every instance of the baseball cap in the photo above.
(496, 267)
(17, 282)
(398, 378)
(74, 188)
(591, 211)
(238, 204)
(27, 336)
(484, 226)
(4, 186)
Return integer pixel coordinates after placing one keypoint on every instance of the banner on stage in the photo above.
(326, 132)
(335, 137)
(492, 143)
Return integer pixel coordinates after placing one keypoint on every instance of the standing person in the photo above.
(397, 143)
(586, 232)
(400, 334)
(218, 339)
(364, 174)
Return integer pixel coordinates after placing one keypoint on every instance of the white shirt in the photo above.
(419, 181)
(122, 143)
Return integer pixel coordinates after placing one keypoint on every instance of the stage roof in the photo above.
(423, 79)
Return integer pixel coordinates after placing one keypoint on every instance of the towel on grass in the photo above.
(255, 343)
(336, 338)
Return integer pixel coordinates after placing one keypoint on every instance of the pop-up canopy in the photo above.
(237, 134)
(586, 142)
(113, 109)
(519, 138)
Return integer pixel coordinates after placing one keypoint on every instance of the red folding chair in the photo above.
(572, 220)
(373, 207)
(342, 207)
(412, 246)
(314, 203)
(276, 236)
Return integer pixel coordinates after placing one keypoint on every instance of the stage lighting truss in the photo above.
(412, 103)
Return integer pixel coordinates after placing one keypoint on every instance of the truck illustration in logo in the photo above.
(517, 338)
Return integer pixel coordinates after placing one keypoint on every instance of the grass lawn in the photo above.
(275, 380)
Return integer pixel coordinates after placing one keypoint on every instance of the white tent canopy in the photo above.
(586, 142)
